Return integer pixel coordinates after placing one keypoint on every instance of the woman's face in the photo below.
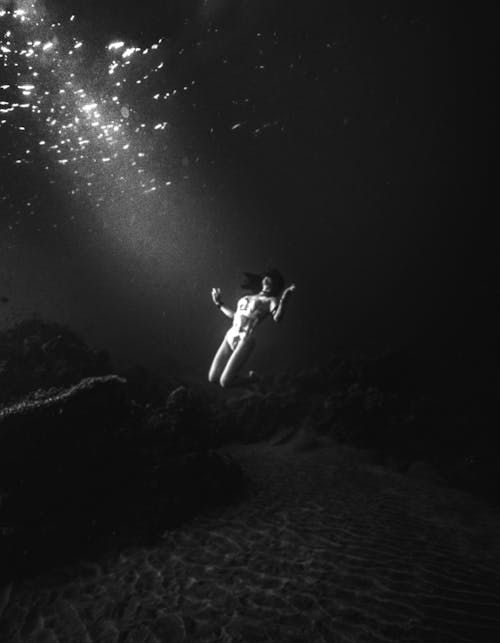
(267, 285)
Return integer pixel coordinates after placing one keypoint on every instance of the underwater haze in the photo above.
(147, 156)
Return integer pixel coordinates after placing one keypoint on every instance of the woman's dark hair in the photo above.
(253, 281)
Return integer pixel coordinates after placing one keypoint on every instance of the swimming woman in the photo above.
(269, 297)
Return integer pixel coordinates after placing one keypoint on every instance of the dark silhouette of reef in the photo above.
(428, 410)
(94, 463)
(37, 354)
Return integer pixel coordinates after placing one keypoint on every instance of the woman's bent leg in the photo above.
(219, 362)
(236, 362)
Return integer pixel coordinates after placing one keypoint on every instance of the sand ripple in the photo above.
(325, 549)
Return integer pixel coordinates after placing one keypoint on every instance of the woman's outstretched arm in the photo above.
(216, 297)
(279, 311)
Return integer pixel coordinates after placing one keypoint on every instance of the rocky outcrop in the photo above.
(87, 466)
(84, 468)
(428, 404)
(38, 354)
(61, 427)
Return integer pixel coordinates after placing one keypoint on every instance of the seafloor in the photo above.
(326, 547)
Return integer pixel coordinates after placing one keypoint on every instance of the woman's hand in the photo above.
(282, 303)
(216, 296)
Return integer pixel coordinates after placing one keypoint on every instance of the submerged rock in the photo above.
(430, 404)
(60, 423)
(87, 466)
(38, 354)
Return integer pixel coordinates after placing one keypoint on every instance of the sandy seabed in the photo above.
(326, 548)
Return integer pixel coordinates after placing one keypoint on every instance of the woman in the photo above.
(269, 297)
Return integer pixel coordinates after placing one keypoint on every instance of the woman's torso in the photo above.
(250, 311)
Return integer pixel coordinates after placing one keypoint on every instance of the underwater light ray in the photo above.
(84, 128)
(109, 124)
